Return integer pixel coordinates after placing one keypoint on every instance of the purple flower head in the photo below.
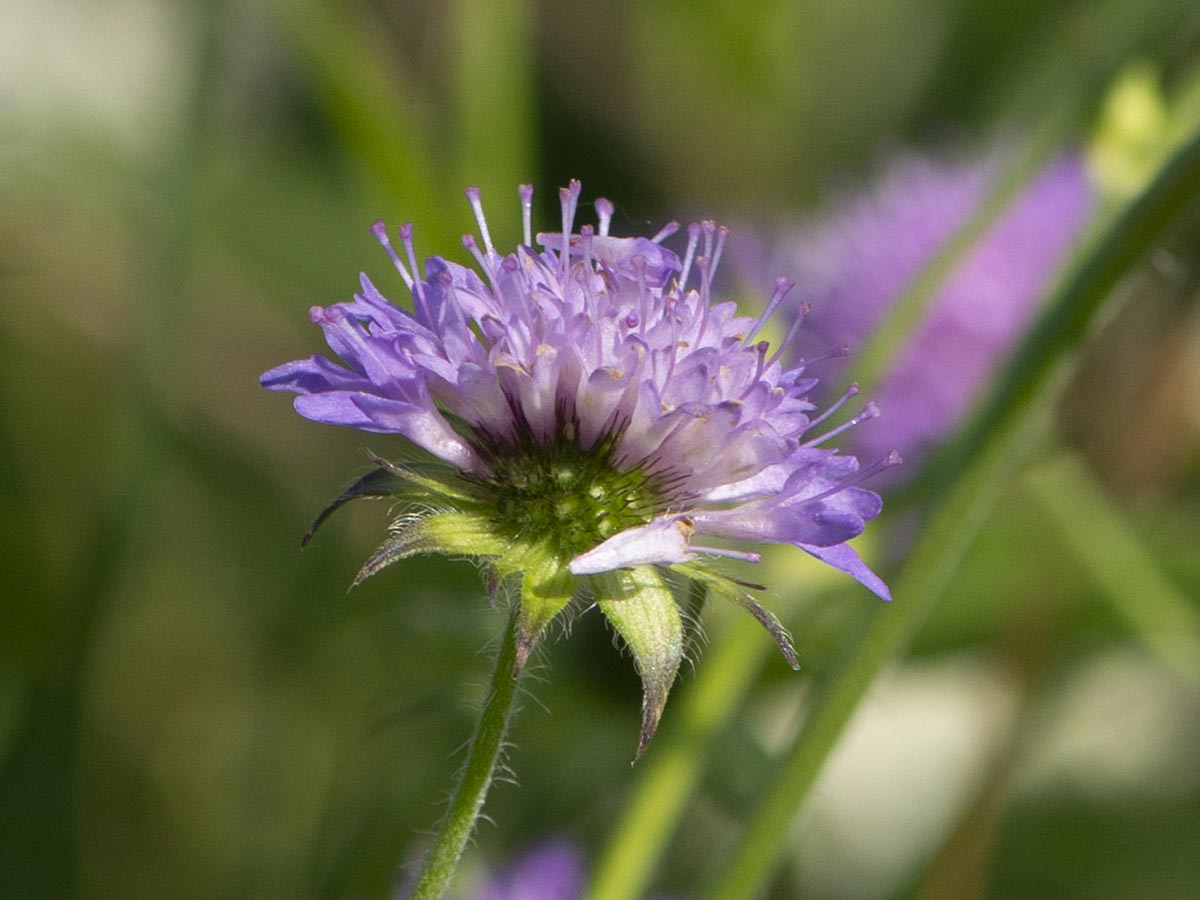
(852, 265)
(594, 421)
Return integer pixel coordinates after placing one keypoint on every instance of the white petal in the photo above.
(662, 542)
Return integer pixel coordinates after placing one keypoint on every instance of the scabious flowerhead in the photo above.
(593, 421)
(854, 262)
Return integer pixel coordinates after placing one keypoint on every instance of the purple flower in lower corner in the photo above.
(591, 423)
(855, 261)
(553, 870)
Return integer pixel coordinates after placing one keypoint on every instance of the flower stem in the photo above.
(477, 775)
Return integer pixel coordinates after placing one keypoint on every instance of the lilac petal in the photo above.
(754, 447)
(855, 501)
(613, 346)
(768, 521)
(337, 408)
(769, 481)
(662, 542)
(844, 558)
(311, 376)
(363, 352)
(422, 425)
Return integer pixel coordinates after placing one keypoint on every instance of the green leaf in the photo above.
(450, 534)
(375, 484)
(735, 592)
(642, 608)
(547, 587)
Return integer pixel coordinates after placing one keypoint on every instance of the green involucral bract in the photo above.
(537, 509)
(642, 608)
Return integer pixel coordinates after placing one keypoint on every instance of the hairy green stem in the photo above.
(477, 775)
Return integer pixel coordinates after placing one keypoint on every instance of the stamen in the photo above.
(584, 277)
(477, 207)
(744, 555)
(888, 462)
(379, 229)
(801, 314)
(406, 238)
(851, 391)
(526, 193)
(604, 213)
(665, 232)
(782, 287)
(840, 350)
(870, 411)
(702, 265)
(585, 245)
(569, 198)
(669, 310)
(762, 347)
(709, 227)
(722, 236)
(693, 231)
(639, 265)
(468, 241)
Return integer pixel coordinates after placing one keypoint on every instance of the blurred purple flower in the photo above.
(553, 870)
(855, 262)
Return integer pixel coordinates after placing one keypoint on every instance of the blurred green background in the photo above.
(192, 708)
